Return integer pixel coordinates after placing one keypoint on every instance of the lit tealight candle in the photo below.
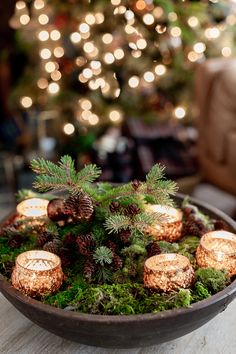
(168, 272)
(217, 249)
(33, 207)
(37, 273)
(169, 230)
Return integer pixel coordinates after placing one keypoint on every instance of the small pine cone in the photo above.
(89, 268)
(65, 257)
(117, 262)
(52, 246)
(124, 236)
(86, 244)
(132, 209)
(114, 206)
(55, 209)
(195, 228)
(79, 206)
(110, 244)
(15, 241)
(43, 238)
(221, 225)
(153, 249)
(136, 184)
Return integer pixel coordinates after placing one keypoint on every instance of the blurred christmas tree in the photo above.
(99, 62)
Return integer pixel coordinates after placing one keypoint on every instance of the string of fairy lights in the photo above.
(106, 46)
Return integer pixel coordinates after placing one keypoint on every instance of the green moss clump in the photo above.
(212, 279)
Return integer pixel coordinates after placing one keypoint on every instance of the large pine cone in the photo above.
(153, 249)
(53, 246)
(194, 227)
(15, 241)
(132, 209)
(79, 207)
(43, 238)
(55, 209)
(86, 244)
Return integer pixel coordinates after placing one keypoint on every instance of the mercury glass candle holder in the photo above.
(37, 273)
(33, 207)
(217, 249)
(170, 229)
(168, 272)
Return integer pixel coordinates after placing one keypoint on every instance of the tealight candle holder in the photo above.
(37, 273)
(170, 230)
(217, 249)
(33, 207)
(168, 272)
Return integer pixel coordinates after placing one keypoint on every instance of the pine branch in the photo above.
(142, 220)
(103, 255)
(115, 223)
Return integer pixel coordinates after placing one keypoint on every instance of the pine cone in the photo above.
(221, 225)
(15, 241)
(43, 238)
(65, 257)
(79, 207)
(110, 244)
(55, 209)
(124, 236)
(132, 209)
(69, 240)
(136, 184)
(153, 249)
(194, 227)
(52, 246)
(86, 244)
(117, 262)
(114, 206)
(89, 268)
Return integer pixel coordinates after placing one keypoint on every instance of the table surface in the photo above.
(19, 335)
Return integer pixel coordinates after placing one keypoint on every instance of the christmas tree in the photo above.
(101, 62)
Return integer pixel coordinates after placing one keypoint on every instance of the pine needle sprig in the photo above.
(116, 223)
(103, 255)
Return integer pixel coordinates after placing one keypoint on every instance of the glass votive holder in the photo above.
(168, 272)
(217, 250)
(37, 273)
(169, 230)
(33, 207)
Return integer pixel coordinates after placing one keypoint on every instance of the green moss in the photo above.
(212, 279)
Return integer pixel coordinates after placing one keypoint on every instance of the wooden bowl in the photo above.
(125, 331)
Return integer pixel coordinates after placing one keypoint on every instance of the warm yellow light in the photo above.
(129, 15)
(93, 84)
(58, 52)
(26, 101)
(56, 75)
(101, 82)
(43, 19)
(50, 67)
(20, 5)
(133, 46)
(193, 21)
(148, 19)
(226, 52)
(82, 79)
(161, 29)
(115, 116)
(158, 11)
(109, 58)
(90, 19)
(231, 20)
(43, 36)
(179, 112)
(69, 129)
(148, 76)
(99, 17)
(86, 114)
(193, 56)
(88, 47)
(75, 37)
(45, 53)
(141, 43)
(39, 4)
(53, 88)
(130, 29)
(93, 119)
(175, 31)
(107, 38)
(199, 47)
(133, 81)
(24, 19)
(172, 16)
(55, 35)
(33, 207)
(119, 54)
(140, 5)
(160, 69)
(84, 28)
(80, 61)
(85, 104)
(87, 73)
(115, 2)
(212, 33)
(42, 83)
(95, 64)
(136, 53)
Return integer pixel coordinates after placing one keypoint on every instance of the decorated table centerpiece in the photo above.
(112, 250)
